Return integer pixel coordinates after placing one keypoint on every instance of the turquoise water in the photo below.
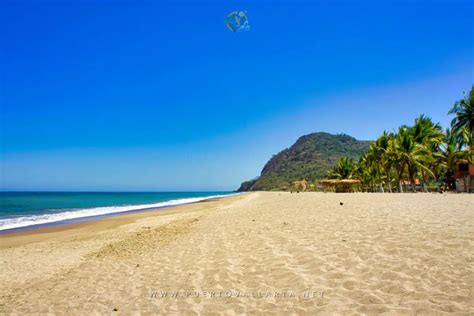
(23, 209)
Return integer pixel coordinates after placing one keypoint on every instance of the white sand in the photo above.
(378, 253)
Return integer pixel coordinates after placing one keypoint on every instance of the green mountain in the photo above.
(309, 158)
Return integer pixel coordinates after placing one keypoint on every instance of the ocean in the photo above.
(23, 210)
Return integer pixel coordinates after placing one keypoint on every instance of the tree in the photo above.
(377, 158)
(386, 140)
(344, 169)
(424, 131)
(462, 124)
(406, 153)
(430, 135)
(450, 155)
(365, 172)
(421, 151)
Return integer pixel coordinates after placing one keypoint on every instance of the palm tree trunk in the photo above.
(389, 183)
(380, 180)
(389, 180)
(400, 175)
(412, 178)
(425, 186)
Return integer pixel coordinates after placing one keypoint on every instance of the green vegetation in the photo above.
(309, 158)
(463, 122)
(421, 153)
(344, 169)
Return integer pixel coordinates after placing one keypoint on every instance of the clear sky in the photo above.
(150, 95)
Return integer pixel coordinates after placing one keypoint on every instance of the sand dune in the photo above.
(256, 253)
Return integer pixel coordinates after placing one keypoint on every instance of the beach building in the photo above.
(464, 177)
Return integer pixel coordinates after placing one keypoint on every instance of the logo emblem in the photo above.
(237, 21)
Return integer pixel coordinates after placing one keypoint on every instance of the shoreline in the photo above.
(76, 220)
(18, 236)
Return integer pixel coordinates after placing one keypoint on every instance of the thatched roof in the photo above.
(334, 182)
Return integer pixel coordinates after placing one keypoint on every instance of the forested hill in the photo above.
(309, 158)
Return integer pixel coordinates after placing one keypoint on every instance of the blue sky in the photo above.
(150, 95)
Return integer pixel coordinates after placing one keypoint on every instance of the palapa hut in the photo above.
(345, 185)
(301, 185)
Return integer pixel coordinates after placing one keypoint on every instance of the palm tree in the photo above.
(365, 172)
(463, 122)
(429, 135)
(422, 149)
(450, 155)
(406, 153)
(424, 131)
(385, 141)
(344, 169)
(465, 139)
(376, 156)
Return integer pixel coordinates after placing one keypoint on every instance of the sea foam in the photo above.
(25, 221)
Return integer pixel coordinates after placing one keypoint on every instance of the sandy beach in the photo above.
(256, 253)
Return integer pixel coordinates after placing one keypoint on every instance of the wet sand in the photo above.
(256, 253)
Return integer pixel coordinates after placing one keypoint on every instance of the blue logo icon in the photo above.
(237, 21)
